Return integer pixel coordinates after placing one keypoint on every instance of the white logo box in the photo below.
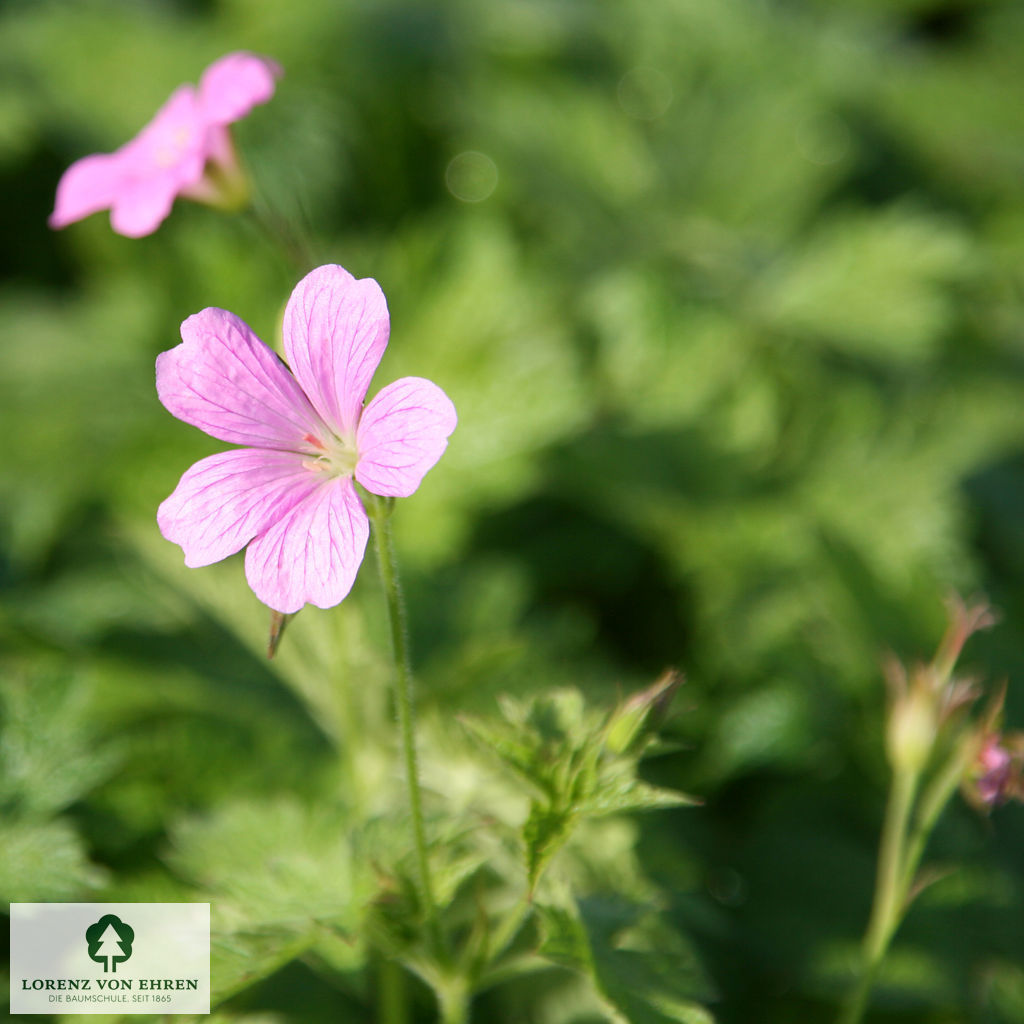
(110, 958)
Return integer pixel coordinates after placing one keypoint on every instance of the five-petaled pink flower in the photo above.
(290, 493)
(186, 150)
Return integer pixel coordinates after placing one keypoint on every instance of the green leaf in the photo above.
(544, 833)
(645, 970)
(874, 285)
(275, 863)
(562, 749)
(620, 792)
(50, 755)
(44, 862)
(281, 878)
(240, 959)
(513, 748)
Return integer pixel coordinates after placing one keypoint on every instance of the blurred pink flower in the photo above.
(290, 494)
(186, 150)
(995, 772)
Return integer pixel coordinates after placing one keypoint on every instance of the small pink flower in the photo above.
(186, 150)
(290, 493)
(995, 772)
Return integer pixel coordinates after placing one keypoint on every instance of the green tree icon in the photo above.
(110, 941)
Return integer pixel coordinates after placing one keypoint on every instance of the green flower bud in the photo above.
(641, 715)
(912, 728)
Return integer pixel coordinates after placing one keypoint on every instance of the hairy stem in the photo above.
(380, 516)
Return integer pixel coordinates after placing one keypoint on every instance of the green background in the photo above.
(729, 296)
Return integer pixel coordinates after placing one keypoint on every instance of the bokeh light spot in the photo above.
(471, 176)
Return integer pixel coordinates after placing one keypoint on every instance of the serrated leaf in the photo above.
(44, 861)
(544, 833)
(622, 793)
(49, 755)
(872, 285)
(565, 939)
(560, 747)
(274, 863)
(511, 748)
(282, 878)
(644, 969)
(240, 959)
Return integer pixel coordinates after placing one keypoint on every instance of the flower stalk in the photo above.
(453, 1001)
(931, 746)
(380, 519)
(891, 889)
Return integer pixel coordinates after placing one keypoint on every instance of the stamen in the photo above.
(314, 441)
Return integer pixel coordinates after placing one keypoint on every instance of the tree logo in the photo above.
(110, 942)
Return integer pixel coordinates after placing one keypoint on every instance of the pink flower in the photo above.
(186, 150)
(995, 772)
(290, 494)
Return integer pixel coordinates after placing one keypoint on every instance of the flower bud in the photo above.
(642, 714)
(912, 728)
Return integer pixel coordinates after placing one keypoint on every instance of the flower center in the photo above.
(333, 456)
(173, 146)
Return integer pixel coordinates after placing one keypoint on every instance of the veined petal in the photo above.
(225, 381)
(232, 86)
(313, 552)
(87, 186)
(335, 332)
(225, 500)
(402, 433)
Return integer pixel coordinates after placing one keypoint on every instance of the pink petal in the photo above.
(402, 433)
(176, 129)
(225, 381)
(88, 185)
(142, 206)
(233, 85)
(220, 148)
(313, 552)
(335, 331)
(141, 180)
(225, 500)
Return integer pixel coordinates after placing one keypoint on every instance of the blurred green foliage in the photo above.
(737, 344)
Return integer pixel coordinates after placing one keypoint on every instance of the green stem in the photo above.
(932, 803)
(890, 890)
(380, 516)
(392, 1005)
(453, 1002)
